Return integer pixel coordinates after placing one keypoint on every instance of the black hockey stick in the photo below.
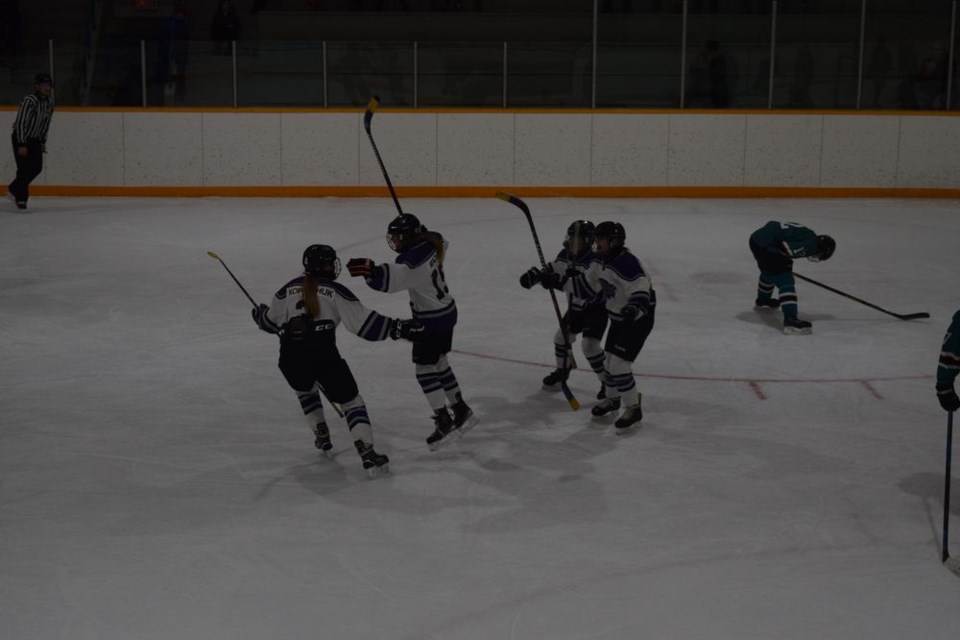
(951, 563)
(901, 316)
(367, 121)
(220, 260)
(520, 204)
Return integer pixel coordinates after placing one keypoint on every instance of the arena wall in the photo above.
(474, 153)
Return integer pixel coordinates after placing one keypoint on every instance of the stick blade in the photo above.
(368, 114)
(952, 563)
(213, 255)
(914, 316)
(571, 399)
(515, 201)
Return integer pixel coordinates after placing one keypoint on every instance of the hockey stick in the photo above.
(951, 563)
(901, 316)
(367, 121)
(220, 260)
(520, 204)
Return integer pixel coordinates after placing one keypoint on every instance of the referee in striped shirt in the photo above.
(29, 137)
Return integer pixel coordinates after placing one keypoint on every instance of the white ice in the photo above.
(159, 482)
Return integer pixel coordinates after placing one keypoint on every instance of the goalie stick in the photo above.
(901, 316)
(213, 255)
(367, 122)
(520, 204)
(950, 562)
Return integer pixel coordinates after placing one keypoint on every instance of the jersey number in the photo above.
(439, 283)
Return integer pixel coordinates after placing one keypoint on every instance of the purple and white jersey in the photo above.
(419, 271)
(619, 281)
(565, 260)
(338, 306)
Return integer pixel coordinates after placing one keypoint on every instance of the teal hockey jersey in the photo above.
(786, 238)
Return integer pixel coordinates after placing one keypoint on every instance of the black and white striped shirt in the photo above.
(33, 119)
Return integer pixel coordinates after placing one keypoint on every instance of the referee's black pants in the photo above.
(28, 168)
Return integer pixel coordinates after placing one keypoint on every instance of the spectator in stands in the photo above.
(224, 28)
(173, 51)
(708, 75)
(932, 79)
(878, 68)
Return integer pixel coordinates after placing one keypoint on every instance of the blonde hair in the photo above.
(311, 301)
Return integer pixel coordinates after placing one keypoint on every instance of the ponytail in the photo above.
(437, 241)
(311, 302)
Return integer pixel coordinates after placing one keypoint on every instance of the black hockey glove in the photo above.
(948, 398)
(630, 312)
(360, 267)
(530, 277)
(258, 312)
(550, 279)
(406, 330)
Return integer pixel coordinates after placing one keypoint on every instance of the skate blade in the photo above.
(795, 331)
(445, 440)
(376, 472)
(328, 454)
(630, 428)
(469, 424)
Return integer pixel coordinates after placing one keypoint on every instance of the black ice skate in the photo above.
(632, 414)
(463, 418)
(797, 326)
(605, 406)
(445, 430)
(375, 464)
(766, 304)
(322, 438)
(556, 376)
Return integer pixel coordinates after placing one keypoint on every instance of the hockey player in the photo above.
(618, 278)
(305, 313)
(949, 366)
(774, 246)
(590, 319)
(418, 269)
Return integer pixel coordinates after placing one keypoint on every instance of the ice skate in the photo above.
(463, 418)
(322, 439)
(602, 394)
(630, 418)
(445, 430)
(375, 464)
(797, 326)
(556, 376)
(605, 407)
(766, 304)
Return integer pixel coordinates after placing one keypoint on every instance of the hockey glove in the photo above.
(948, 398)
(258, 312)
(630, 312)
(406, 330)
(530, 277)
(550, 279)
(360, 267)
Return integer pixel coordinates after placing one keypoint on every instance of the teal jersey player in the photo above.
(949, 366)
(774, 246)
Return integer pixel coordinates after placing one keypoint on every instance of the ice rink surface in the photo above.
(158, 480)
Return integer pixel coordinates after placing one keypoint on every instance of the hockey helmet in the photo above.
(403, 231)
(581, 230)
(321, 260)
(825, 248)
(615, 234)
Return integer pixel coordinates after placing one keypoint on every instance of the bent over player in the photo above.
(305, 313)
(949, 366)
(618, 278)
(582, 316)
(418, 269)
(774, 246)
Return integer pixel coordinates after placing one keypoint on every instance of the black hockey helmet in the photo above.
(584, 231)
(321, 260)
(614, 232)
(43, 78)
(825, 248)
(403, 231)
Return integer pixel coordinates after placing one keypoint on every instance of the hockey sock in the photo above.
(764, 288)
(431, 385)
(619, 377)
(560, 351)
(594, 352)
(312, 405)
(355, 411)
(788, 293)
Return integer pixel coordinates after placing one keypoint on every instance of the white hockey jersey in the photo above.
(619, 281)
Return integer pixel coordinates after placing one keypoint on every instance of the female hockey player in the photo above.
(774, 246)
(618, 278)
(305, 313)
(588, 318)
(419, 270)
